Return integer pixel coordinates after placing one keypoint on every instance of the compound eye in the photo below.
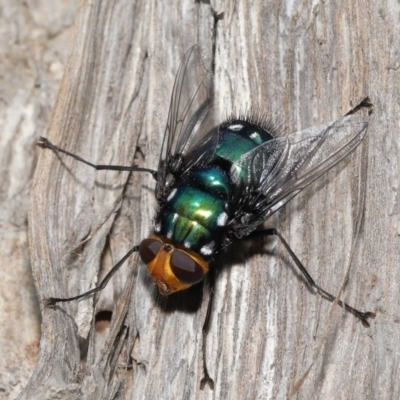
(149, 249)
(185, 268)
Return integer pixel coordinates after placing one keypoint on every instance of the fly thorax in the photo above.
(196, 211)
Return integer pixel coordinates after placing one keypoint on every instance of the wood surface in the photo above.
(307, 63)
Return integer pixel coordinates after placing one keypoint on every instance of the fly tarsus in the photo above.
(50, 302)
(362, 316)
(44, 143)
(366, 103)
(366, 315)
(206, 380)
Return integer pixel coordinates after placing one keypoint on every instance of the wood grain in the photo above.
(270, 336)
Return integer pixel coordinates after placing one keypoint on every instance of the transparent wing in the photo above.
(190, 117)
(279, 169)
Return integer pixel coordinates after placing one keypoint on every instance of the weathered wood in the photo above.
(270, 336)
(33, 50)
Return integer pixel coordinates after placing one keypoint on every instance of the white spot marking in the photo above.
(255, 136)
(172, 194)
(207, 249)
(175, 217)
(236, 127)
(187, 245)
(157, 228)
(169, 234)
(222, 218)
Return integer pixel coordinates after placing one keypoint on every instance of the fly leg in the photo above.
(206, 378)
(363, 316)
(46, 144)
(51, 301)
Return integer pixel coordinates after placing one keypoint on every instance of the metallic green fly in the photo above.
(217, 183)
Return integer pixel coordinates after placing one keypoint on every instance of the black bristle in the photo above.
(267, 121)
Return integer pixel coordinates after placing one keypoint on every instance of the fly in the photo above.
(215, 184)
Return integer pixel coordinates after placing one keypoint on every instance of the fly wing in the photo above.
(279, 169)
(190, 117)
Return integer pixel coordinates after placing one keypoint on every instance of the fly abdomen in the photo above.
(238, 137)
